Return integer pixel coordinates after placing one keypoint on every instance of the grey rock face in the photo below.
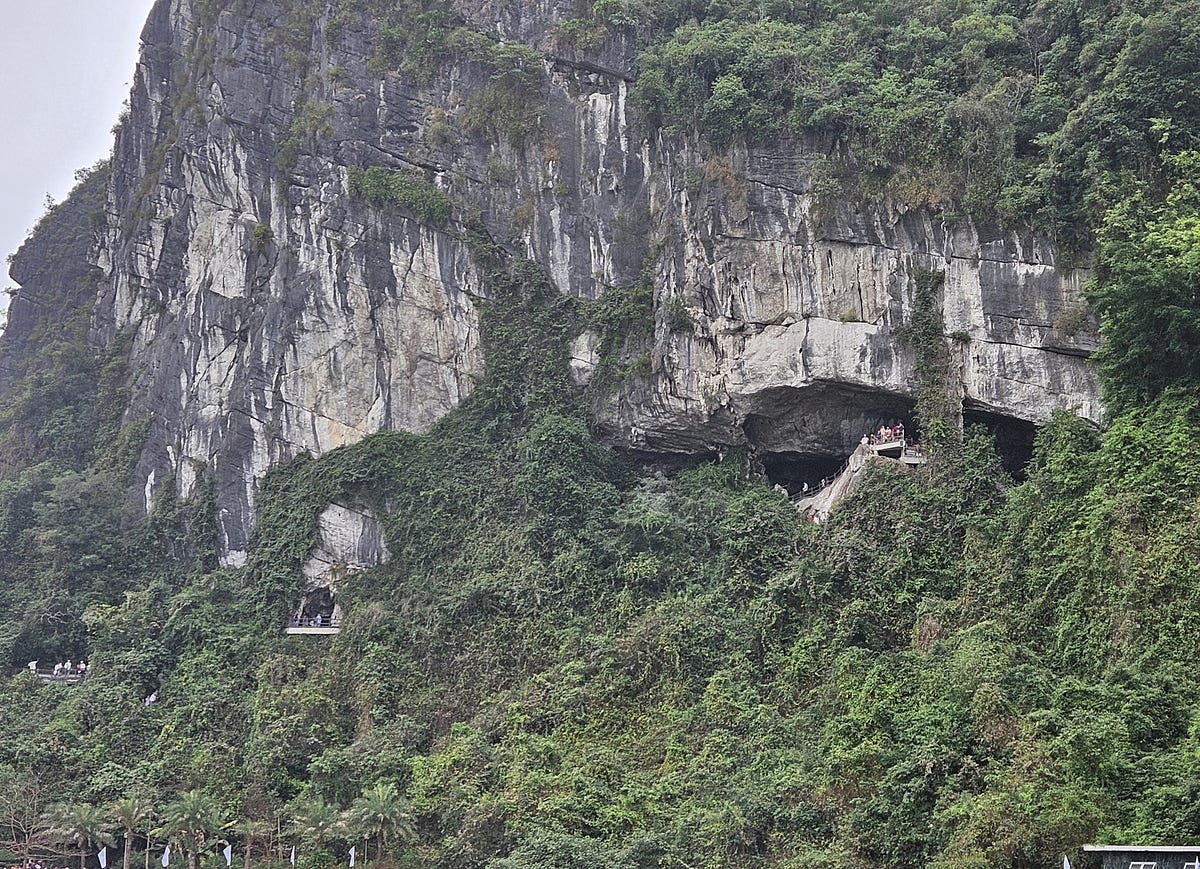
(348, 539)
(272, 313)
(798, 341)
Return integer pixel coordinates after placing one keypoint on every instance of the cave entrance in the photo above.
(835, 435)
(318, 613)
(1013, 437)
(794, 470)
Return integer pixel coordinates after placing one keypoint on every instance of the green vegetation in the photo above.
(623, 317)
(1025, 111)
(263, 236)
(421, 39)
(1148, 271)
(568, 664)
(939, 394)
(572, 662)
(311, 123)
(384, 188)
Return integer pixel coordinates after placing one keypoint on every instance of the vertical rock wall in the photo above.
(273, 313)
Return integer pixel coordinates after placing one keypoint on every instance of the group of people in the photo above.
(885, 434)
(62, 669)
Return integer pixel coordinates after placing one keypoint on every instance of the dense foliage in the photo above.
(1148, 284)
(1020, 109)
(413, 192)
(575, 661)
(569, 663)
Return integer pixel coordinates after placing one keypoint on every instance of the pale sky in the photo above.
(65, 68)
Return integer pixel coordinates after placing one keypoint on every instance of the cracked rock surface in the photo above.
(272, 313)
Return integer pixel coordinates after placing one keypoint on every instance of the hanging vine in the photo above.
(939, 391)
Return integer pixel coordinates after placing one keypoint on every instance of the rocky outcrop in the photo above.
(348, 539)
(800, 308)
(270, 315)
(271, 312)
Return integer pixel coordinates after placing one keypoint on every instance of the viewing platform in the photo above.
(315, 626)
(50, 676)
(909, 454)
(815, 503)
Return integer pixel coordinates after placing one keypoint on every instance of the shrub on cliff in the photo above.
(385, 188)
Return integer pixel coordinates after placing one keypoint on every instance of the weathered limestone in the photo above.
(348, 539)
(799, 318)
(271, 313)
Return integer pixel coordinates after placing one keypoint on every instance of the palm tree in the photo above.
(381, 812)
(81, 824)
(195, 819)
(129, 813)
(253, 830)
(314, 820)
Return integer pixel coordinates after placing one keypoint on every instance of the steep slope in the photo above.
(273, 311)
(573, 654)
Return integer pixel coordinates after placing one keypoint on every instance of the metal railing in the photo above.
(319, 621)
(50, 676)
(825, 483)
(906, 451)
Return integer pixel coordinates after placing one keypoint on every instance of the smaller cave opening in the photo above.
(317, 609)
(794, 470)
(1013, 438)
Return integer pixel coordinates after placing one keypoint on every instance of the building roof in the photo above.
(1161, 849)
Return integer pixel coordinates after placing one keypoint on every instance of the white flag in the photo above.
(102, 854)
(228, 852)
(293, 855)
(351, 855)
(166, 860)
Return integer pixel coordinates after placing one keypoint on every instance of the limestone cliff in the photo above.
(271, 312)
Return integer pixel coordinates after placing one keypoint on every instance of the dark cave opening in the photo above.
(825, 435)
(317, 602)
(794, 470)
(1013, 437)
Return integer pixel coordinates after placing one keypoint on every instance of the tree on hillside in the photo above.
(129, 813)
(193, 820)
(1147, 287)
(253, 830)
(380, 812)
(21, 816)
(315, 821)
(81, 825)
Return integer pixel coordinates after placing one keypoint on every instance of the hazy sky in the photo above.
(65, 68)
